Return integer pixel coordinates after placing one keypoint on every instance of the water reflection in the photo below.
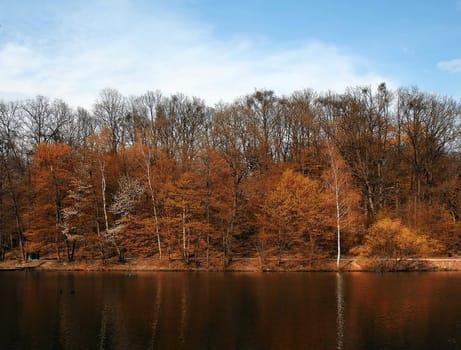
(156, 315)
(183, 317)
(103, 328)
(229, 311)
(339, 311)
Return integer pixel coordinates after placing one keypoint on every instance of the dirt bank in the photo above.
(243, 264)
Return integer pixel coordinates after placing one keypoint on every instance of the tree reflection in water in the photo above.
(156, 314)
(339, 311)
(184, 315)
(230, 311)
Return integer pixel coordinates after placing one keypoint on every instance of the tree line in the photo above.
(305, 176)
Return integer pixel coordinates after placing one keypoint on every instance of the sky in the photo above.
(220, 50)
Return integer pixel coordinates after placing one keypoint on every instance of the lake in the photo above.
(176, 310)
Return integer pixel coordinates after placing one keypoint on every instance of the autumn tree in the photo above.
(218, 193)
(344, 197)
(293, 212)
(81, 209)
(51, 166)
(123, 204)
(104, 173)
(390, 241)
(215, 180)
(77, 221)
(148, 162)
(186, 213)
(233, 136)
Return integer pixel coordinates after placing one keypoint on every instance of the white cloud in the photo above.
(104, 44)
(453, 66)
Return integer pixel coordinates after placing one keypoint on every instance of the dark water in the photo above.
(47, 310)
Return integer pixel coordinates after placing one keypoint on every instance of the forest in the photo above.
(373, 171)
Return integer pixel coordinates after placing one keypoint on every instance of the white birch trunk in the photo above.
(335, 171)
(154, 206)
(184, 231)
(104, 207)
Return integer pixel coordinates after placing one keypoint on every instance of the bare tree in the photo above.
(11, 164)
(45, 121)
(111, 109)
(60, 119)
(84, 125)
(149, 106)
(428, 124)
(358, 122)
(36, 119)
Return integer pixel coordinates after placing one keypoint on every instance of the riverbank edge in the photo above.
(246, 265)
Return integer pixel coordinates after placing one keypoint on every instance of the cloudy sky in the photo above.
(219, 50)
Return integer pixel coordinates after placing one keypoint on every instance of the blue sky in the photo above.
(219, 50)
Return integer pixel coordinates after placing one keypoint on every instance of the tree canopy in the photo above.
(271, 176)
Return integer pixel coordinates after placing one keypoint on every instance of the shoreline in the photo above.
(352, 264)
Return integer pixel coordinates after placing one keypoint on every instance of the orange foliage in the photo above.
(51, 169)
(264, 175)
(389, 238)
(293, 211)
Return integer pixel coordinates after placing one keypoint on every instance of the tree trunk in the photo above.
(208, 235)
(58, 213)
(335, 170)
(16, 215)
(154, 206)
(98, 229)
(70, 245)
(230, 232)
(104, 207)
(338, 225)
(184, 243)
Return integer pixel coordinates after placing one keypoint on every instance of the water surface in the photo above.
(57, 310)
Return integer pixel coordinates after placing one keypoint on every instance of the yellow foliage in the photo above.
(294, 211)
(389, 238)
